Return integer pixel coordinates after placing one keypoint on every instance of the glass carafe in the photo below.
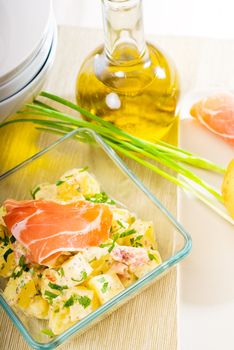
(128, 81)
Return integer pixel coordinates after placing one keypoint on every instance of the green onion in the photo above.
(127, 233)
(174, 158)
(59, 182)
(48, 332)
(50, 294)
(34, 192)
(8, 252)
(56, 286)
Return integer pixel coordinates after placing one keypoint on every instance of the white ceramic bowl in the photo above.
(30, 91)
(23, 26)
(30, 71)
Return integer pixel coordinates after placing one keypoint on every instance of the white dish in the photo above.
(23, 26)
(12, 104)
(206, 283)
(30, 71)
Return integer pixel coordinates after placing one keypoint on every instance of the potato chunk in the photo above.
(106, 286)
(73, 305)
(21, 290)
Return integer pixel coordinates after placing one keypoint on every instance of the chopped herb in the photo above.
(153, 257)
(120, 223)
(17, 274)
(56, 286)
(61, 271)
(127, 233)
(48, 332)
(100, 198)
(22, 261)
(70, 301)
(34, 192)
(12, 239)
(59, 182)
(50, 294)
(83, 277)
(84, 301)
(8, 252)
(104, 245)
(111, 247)
(68, 176)
(39, 275)
(83, 169)
(138, 237)
(5, 240)
(104, 287)
(135, 241)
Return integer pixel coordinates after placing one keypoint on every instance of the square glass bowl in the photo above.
(118, 182)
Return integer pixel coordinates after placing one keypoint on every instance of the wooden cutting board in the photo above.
(148, 322)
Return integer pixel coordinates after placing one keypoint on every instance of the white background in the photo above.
(207, 18)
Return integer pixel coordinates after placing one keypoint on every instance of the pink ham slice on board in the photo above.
(216, 113)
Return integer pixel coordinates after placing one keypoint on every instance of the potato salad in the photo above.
(70, 249)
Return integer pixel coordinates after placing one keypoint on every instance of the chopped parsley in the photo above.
(153, 257)
(116, 236)
(22, 261)
(56, 286)
(104, 287)
(82, 300)
(135, 241)
(39, 275)
(23, 268)
(101, 197)
(120, 223)
(70, 301)
(61, 271)
(5, 240)
(48, 332)
(59, 182)
(17, 274)
(83, 277)
(8, 252)
(34, 192)
(83, 169)
(12, 239)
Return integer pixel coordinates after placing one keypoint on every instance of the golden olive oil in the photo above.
(127, 81)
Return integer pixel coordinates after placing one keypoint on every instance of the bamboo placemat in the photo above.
(148, 322)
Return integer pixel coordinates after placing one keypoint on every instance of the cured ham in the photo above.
(216, 113)
(46, 229)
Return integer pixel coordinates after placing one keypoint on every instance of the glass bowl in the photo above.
(116, 179)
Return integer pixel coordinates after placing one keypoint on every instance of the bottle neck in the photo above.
(123, 29)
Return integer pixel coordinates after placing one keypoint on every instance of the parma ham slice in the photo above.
(216, 113)
(46, 229)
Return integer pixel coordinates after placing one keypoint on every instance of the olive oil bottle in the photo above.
(127, 81)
